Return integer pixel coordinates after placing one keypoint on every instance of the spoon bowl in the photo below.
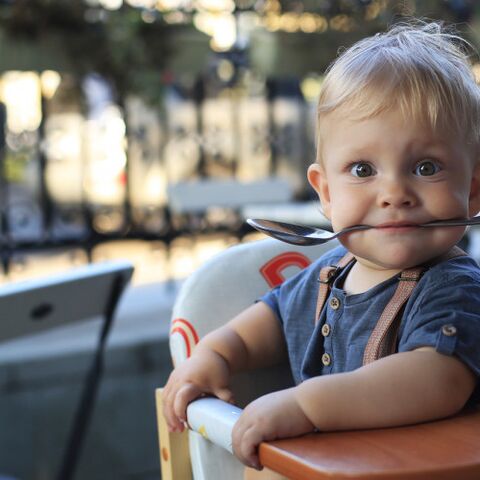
(305, 235)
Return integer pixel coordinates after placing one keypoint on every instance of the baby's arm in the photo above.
(400, 389)
(252, 339)
(404, 388)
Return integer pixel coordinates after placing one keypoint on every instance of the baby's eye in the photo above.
(362, 169)
(426, 168)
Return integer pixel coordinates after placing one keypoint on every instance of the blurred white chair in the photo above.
(198, 196)
(213, 204)
(220, 289)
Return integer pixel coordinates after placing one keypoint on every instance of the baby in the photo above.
(398, 146)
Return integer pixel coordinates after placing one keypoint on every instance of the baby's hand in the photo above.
(205, 372)
(276, 415)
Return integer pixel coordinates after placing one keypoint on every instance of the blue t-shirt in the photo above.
(443, 312)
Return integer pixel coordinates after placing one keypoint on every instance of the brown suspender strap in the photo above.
(383, 338)
(381, 342)
(327, 275)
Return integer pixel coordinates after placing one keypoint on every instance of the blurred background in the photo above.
(110, 107)
(149, 130)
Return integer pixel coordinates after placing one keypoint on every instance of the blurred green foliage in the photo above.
(136, 49)
(69, 35)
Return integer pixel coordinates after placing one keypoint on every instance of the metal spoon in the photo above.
(304, 235)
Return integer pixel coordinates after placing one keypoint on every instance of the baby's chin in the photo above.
(396, 259)
(389, 266)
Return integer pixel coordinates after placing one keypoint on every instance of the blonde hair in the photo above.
(419, 68)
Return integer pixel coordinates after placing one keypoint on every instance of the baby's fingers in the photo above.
(175, 400)
(173, 422)
(246, 448)
(224, 394)
(245, 445)
(184, 396)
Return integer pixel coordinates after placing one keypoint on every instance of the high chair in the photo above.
(448, 449)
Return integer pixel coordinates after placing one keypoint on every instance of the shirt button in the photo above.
(449, 330)
(334, 303)
(326, 330)
(326, 359)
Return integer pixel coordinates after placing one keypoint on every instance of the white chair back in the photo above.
(216, 292)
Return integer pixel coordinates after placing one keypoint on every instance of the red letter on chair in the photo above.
(271, 271)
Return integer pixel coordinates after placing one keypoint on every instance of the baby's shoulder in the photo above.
(455, 281)
(459, 269)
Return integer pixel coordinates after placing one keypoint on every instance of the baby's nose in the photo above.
(396, 193)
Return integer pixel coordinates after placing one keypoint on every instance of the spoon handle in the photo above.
(453, 222)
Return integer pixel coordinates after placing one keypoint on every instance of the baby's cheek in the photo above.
(452, 204)
(345, 216)
(447, 236)
(359, 243)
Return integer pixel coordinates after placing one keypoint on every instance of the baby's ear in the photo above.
(318, 180)
(474, 199)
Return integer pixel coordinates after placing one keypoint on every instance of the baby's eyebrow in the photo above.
(436, 142)
(359, 151)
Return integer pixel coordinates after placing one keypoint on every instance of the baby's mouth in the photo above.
(391, 227)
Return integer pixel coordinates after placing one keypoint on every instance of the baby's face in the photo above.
(394, 174)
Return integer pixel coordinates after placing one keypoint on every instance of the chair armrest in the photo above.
(214, 420)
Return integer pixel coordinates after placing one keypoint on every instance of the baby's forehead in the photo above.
(356, 135)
